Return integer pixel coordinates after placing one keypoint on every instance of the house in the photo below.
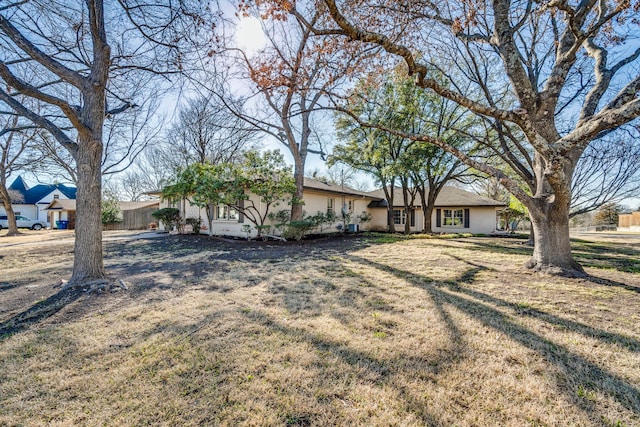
(135, 215)
(629, 222)
(457, 210)
(34, 201)
(318, 197)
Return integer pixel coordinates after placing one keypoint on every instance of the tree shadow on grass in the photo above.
(597, 256)
(586, 330)
(572, 366)
(377, 371)
(38, 312)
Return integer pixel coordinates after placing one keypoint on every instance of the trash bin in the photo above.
(353, 228)
(58, 224)
(63, 225)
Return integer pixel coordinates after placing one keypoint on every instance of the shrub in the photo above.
(111, 212)
(170, 217)
(298, 229)
(195, 223)
(263, 230)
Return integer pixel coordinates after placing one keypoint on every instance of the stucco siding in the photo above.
(482, 220)
(378, 219)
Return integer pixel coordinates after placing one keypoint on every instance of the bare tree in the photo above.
(60, 56)
(567, 71)
(208, 132)
(288, 81)
(607, 172)
(17, 153)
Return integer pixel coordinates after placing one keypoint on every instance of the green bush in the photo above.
(111, 212)
(170, 217)
(195, 223)
(298, 229)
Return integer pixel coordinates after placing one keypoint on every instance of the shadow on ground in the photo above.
(573, 367)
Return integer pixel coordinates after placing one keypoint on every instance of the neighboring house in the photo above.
(629, 222)
(457, 210)
(135, 215)
(35, 200)
(62, 210)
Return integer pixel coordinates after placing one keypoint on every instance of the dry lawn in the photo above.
(369, 331)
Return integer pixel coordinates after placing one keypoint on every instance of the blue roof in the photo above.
(19, 185)
(35, 194)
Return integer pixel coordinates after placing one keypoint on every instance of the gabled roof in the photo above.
(61, 205)
(34, 195)
(314, 184)
(37, 193)
(449, 197)
(129, 206)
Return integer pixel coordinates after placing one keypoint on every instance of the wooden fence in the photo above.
(134, 219)
(629, 222)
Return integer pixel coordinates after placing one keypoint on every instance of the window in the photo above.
(453, 217)
(225, 213)
(56, 196)
(399, 217)
(330, 205)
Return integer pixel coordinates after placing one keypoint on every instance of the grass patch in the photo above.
(360, 331)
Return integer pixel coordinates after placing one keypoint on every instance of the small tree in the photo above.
(111, 212)
(514, 214)
(203, 185)
(265, 175)
(169, 217)
(608, 214)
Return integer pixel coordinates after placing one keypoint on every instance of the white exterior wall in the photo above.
(482, 220)
(378, 219)
(40, 213)
(29, 211)
(632, 229)
(313, 202)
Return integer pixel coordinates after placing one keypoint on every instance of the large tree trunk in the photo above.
(210, 216)
(428, 213)
(297, 203)
(11, 216)
(428, 203)
(407, 209)
(87, 262)
(391, 227)
(552, 249)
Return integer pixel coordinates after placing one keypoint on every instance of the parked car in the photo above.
(22, 222)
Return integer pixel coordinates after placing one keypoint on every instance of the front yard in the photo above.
(374, 330)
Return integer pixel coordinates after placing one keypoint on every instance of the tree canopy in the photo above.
(550, 79)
